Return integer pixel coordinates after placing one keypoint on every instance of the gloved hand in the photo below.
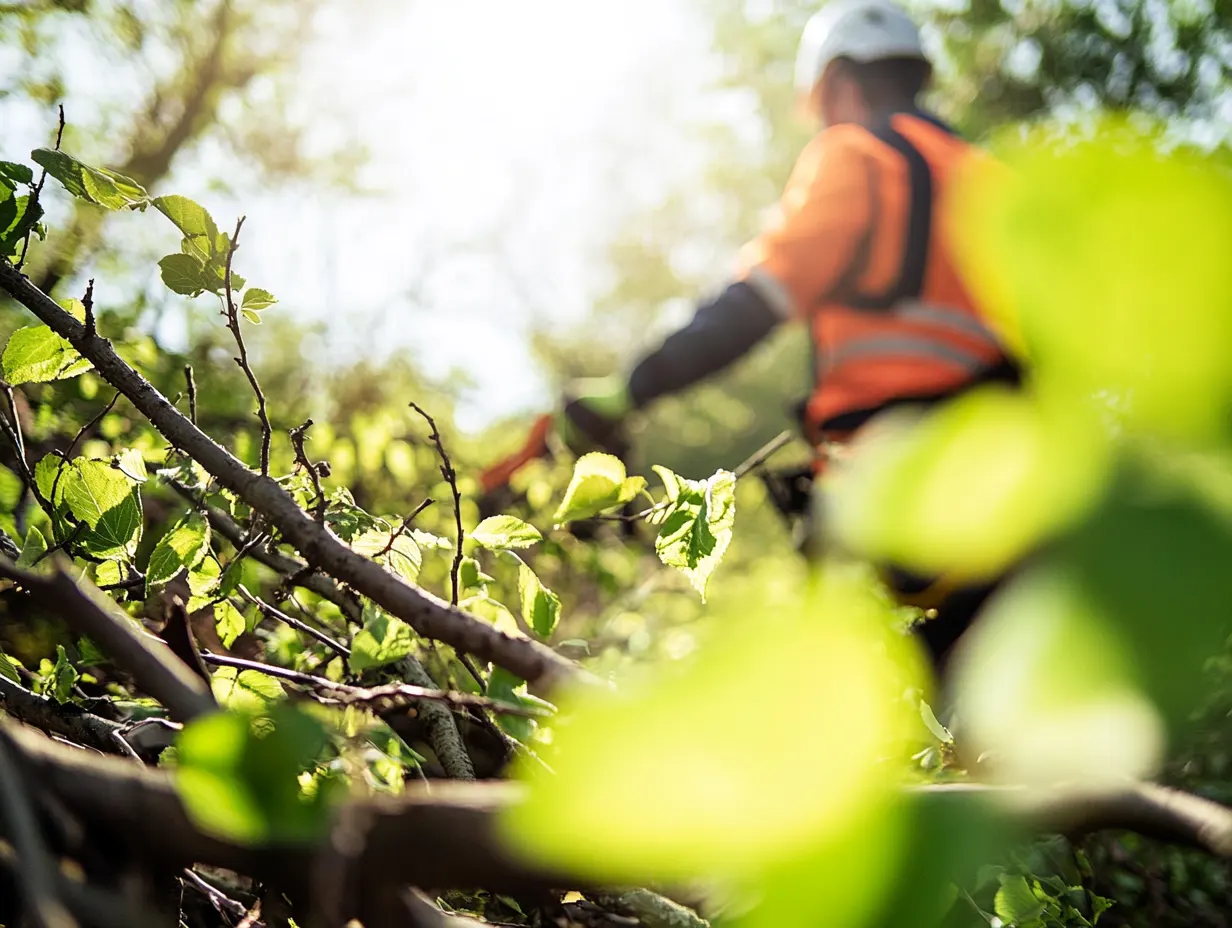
(593, 415)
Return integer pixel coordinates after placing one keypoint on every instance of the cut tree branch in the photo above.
(428, 615)
(447, 838)
(154, 668)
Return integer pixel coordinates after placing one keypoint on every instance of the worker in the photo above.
(858, 254)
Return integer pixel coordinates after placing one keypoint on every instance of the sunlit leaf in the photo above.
(599, 482)
(183, 274)
(540, 606)
(505, 687)
(192, 219)
(257, 299)
(646, 786)
(1047, 685)
(181, 548)
(96, 185)
(36, 354)
(108, 502)
(230, 622)
(383, 640)
(1045, 246)
(33, 548)
(246, 690)
(504, 532)
(970, 488)
(697, 528)
(1016, 903)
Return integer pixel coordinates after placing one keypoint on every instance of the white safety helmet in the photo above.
(862, 30)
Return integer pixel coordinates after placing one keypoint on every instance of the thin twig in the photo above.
(37, 192)
(192, 393)
(12, 429)
(68, 455)
(405, 526)
(301, 458)
(762, 454)
(391, 693)
(451, 477)
(34, 863)
(755, 460)
(87, 301)
(220, 899)
(336, 646)
(233, 323)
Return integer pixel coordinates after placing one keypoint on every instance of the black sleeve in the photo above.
(722, 331)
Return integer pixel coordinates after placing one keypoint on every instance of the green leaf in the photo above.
(505, 687)
(184, 274)
(383, 640)
(251, 316)
(256, 299)
(697, 528)
(205, 577)
(238, 776)
(192, 219)
(500, 533)
(599, 482)
(540, 606)
(15, 173)
(245, 691)
(230, 622)
(36, 354)
(34, 547)
(11, 488)
(1015, 902)
(96, 185)
(8, 669)
(471, 575)
(108, 502)
(90, 654)
(672, 482)
(183, 547)
(403, 558)
(18, 215)
(58, 678)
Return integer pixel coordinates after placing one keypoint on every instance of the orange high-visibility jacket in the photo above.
(861, 255)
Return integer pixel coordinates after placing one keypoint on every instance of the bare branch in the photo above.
(233, 323)
(192, 393)
(301, 458)
(404, 527)
(87, 301)
(451, 477)
(336, 646)
(425, 613)
(153, 667)
(38, 191)
(390, 696)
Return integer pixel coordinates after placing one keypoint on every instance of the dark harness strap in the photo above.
(918, 234)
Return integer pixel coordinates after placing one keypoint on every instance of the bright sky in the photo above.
(506, 139)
